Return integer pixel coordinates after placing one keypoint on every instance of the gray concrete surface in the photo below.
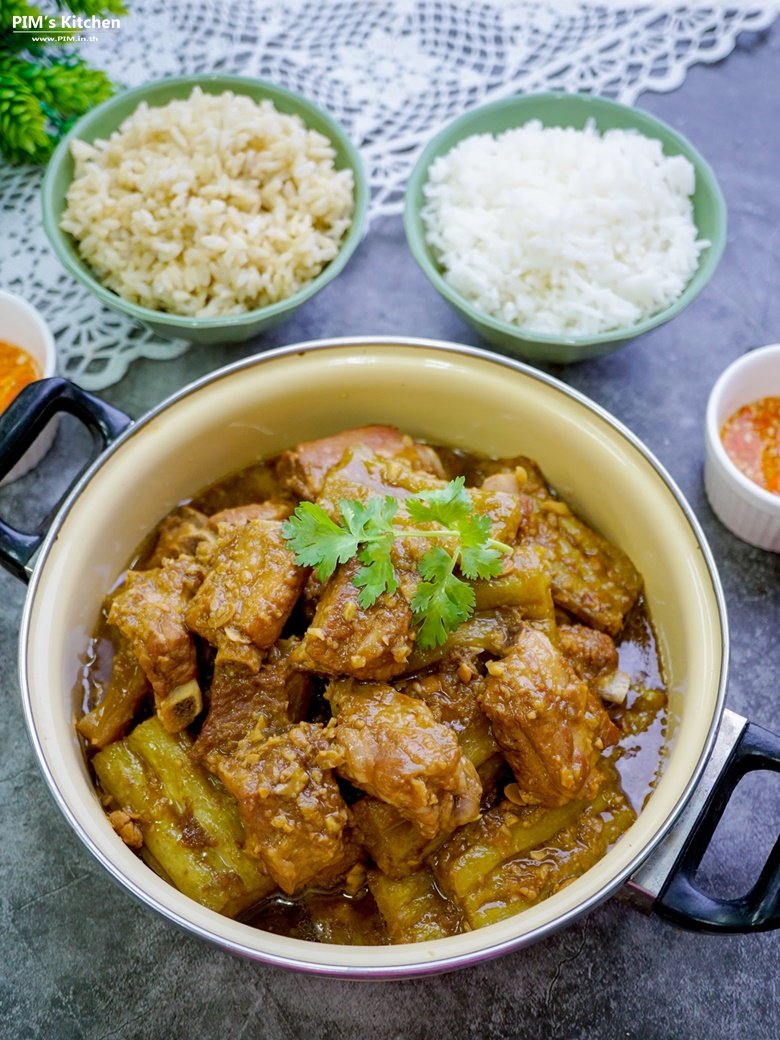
(80, 959)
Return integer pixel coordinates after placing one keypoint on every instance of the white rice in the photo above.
(214, 205)
(563, 231)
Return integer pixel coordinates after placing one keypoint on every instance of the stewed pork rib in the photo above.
(271, 509)
(150, 612)
(370, 643)
(451, 693)
(249, 591)
(292, 810)
(395, 841)
(550, 726)
(304, 468)
(390, 745)
(595, 658)
(274, 692)
(179, 534)
(364, 473)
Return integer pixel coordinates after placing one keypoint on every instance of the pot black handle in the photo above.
(21, 423)
(680, 900)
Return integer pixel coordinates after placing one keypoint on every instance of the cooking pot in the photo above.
(446, 394)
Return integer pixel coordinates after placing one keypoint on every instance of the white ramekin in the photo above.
(749, 511)
(22, 325)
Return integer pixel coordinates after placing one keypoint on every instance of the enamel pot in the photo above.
(445, 394)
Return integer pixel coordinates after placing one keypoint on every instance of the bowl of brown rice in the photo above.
(206, 208)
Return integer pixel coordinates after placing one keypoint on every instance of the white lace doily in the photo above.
(391, 71)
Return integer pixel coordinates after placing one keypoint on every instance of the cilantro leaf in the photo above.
(440, 606)
(474, 530)
(371, 519)
(479, 557)
(378, 574)
(481, 563)
(436, 565)
(446, 506)
(317, 541)
(372, 525)
(442, 600)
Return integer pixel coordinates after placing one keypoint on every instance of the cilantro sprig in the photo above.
(464, 549)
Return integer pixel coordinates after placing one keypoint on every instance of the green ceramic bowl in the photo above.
(574, 110)
(105, 118)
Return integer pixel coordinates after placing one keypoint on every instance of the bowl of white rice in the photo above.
(560, 226)
(207, 208)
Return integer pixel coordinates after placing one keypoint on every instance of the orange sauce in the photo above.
(17, 369)
(751, 437)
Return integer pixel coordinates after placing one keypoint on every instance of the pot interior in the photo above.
(456, 397)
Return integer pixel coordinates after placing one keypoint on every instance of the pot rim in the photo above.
(449, 962)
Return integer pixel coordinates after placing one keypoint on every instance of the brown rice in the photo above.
(210, 206)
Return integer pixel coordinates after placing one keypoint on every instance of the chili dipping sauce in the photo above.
(751, 437)
(17, 369)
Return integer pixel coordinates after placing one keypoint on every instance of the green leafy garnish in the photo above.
(442, 601)
(464, 549)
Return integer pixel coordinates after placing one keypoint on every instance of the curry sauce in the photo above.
(290, 755)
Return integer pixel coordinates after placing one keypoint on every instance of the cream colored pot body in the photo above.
(441, 393)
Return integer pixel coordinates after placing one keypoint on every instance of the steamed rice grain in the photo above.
(563, 231)
(210, 206)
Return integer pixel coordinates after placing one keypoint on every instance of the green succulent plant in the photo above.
(44, 87)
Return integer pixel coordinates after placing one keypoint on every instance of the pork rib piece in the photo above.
(150, 612)
(304, 468)
(249, 592)
(391, 746)
(550, 726)
(291, 807)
